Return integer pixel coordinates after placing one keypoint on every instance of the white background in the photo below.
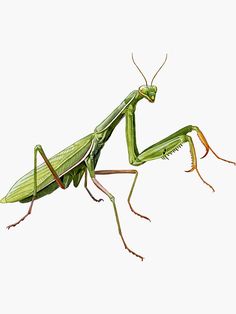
(64, 66)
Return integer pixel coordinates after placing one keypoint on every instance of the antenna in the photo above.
(159, 69)
(139, 69)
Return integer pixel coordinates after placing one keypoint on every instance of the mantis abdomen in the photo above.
(75, 175)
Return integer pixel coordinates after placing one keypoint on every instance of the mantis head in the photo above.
(148, 91)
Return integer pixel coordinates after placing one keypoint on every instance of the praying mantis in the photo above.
(80, 158)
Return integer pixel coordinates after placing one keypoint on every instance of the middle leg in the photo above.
(132, 171)
(87, 189)
(39, 149)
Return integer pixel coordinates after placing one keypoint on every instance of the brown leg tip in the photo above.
(10, 226)
(190, 170)
(136, 213)
(144, 217)
(207, 151)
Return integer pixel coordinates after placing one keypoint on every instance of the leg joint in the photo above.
(188, 138)
(38, 147)
(112, 198)
(135, 161)
(195, 128)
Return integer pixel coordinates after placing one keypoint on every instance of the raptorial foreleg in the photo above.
(208, 147)
(165, 147)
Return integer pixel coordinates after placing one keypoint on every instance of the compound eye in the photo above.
(143, 90)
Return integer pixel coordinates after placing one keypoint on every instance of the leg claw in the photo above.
(141, 216)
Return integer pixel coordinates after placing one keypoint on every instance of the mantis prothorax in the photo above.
(72, 163)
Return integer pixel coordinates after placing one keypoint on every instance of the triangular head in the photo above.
(148, 91)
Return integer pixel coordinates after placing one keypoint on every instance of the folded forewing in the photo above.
(61, 162)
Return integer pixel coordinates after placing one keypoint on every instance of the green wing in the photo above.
(61, 162)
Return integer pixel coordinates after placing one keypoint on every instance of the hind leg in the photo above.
(39, 149)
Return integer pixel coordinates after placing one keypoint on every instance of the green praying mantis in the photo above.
(72, 163)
